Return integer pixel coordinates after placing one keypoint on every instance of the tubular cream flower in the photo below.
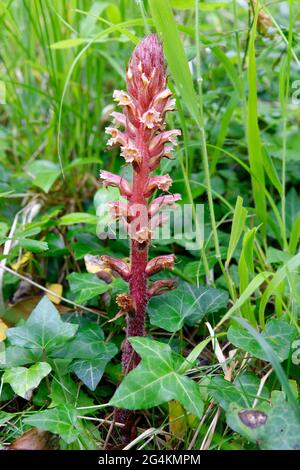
(158, 220)
(163, 103)
(162, 182)
(117, 137)
(118, 209)
(143, 235)
(110, 179)
(151, 118)
(131, 154)
(119, 119)
(163, 201)
(162, 138)
(170, 105)
(163, 95)
(122, 98)
(164, 152)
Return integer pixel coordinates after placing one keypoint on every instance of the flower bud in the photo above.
(117, 265)
(146, 71)
(161, 286)
(159, 263)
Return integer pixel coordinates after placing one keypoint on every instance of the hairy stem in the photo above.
(138, 262)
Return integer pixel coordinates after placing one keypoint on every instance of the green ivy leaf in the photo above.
(44, 330)
(274, 427)
(88, 343)
(91, 371)
(17, 356)
(242, 392)
(248, 383)
(187, 304)
(156, 380)
(91, 352)
(86, 286)
(23, 380)
(278, 333)
(225, 393)
(61, 420)
(65, 390)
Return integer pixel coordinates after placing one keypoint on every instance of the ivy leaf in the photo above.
(17, 356)
(61, 420)
(242, 392)
(274, 427)
(86, 344)
(187, 304)
(248, 383)
(90, 371)
(22, 380)
(65, 390)
(278, 333)
(6, 393)
(225, 393)
(92, 354)
(156, 380)
(44, 330)
(86, 286)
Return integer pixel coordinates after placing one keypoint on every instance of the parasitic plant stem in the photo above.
(144, 142)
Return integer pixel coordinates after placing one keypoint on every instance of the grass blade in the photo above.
(253, 134)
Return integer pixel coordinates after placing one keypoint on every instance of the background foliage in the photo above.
(220, 367)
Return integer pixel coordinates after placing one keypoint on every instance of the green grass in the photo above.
(232, 69)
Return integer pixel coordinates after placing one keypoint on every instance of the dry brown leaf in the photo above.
(35, 439)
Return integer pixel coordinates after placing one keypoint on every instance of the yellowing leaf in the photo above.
(3, 328)
(93, 264)
(177, 419)
(57, 289)
(16, 266)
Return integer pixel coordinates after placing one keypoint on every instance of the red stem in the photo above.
(137, 285)
(138, 260)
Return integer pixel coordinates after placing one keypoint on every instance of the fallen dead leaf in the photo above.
(35, 439)
(57, 289)
(23, 260)
(3, 328)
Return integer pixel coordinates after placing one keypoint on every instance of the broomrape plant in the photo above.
(144, 142)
